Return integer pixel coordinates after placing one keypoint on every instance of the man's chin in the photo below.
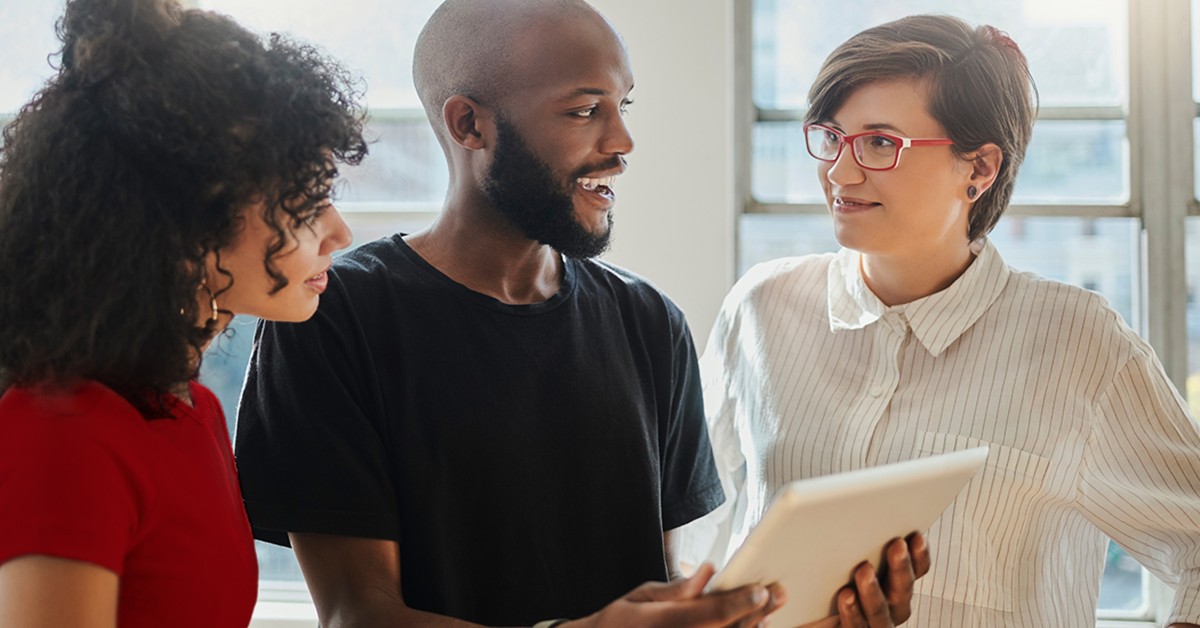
(598, 232)
(583, 244)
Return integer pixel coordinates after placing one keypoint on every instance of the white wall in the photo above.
(675, 212)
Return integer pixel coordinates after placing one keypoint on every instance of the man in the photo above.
(482, 423)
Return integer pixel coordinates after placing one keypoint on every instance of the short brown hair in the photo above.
(980, 90)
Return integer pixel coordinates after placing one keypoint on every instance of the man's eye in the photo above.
(586, 113)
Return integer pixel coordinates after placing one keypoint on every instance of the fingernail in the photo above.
(760, 596)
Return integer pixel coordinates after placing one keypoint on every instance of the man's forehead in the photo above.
(573, 58)
(592, 91)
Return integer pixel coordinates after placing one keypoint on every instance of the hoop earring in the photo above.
(212, 301)
(972, 192)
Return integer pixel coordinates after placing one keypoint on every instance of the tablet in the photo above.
(818, 530)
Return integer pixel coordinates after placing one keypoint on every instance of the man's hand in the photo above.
(869, 604)
(681, 603)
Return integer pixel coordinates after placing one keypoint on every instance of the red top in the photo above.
(84, 476)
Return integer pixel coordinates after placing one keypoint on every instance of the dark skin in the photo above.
(568, 108)
(356, 582)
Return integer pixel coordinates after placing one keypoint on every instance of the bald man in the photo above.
(483, 423)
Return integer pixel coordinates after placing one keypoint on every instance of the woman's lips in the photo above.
(850, 205)
(319, 282)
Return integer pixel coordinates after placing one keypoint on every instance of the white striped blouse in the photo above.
(807, 373)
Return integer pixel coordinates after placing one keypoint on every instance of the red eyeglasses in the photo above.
(872, 150)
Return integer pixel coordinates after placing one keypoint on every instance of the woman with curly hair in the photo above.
(176, 171)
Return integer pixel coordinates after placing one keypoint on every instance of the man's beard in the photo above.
(526, 192)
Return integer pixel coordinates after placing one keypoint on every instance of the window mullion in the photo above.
(397, 114)
(1103, 112)
(1071, 210)
(1161, 113)
(744, 112)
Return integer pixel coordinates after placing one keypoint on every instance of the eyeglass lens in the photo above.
(870, 151)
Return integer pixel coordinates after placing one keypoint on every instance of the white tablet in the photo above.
(818, 530)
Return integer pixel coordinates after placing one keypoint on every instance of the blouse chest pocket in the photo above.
(980, 543)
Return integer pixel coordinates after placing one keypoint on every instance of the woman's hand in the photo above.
(869, 604)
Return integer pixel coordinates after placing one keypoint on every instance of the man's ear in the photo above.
(985, 166)
(468, 123)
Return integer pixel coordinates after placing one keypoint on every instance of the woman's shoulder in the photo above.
(47, 431)
(76, 463)
(81, 400)
(1051, 295)
(85, 414)
(786, 275)
(1084, 315)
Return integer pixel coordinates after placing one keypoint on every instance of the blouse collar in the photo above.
(936, 320)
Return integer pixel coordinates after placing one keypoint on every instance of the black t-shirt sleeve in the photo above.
(691, 487)
(310, 457)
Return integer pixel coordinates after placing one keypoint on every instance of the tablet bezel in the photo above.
(849, 517)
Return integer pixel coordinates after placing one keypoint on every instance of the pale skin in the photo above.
(41, 591)
(910, 223)
(913, 237)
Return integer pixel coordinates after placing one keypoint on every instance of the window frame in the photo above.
(1159, 133)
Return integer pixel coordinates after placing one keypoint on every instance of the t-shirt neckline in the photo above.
(565, 289)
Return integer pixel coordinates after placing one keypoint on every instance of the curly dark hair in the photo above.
(135, 162)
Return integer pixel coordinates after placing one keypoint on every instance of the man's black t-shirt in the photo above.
(527, 458)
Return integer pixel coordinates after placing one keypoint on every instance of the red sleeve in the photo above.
(71, 482)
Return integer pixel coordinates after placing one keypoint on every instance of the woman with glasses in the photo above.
(174, 172)
(916, 338)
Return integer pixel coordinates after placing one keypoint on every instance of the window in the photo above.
(1100, 201)
(25, 49)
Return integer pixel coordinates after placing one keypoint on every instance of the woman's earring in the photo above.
(972, 192)
(212, 301)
